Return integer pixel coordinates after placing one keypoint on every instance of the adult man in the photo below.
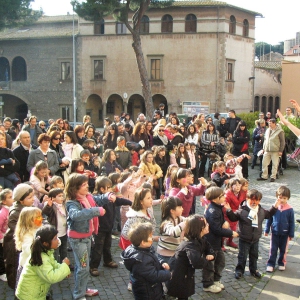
(216, 120)
(7, 122)
(8, 139)
(273, 147)
(232, 121)
(161, 108)
(123, 132)
(289, 114)
(33, 129)
(141, 118)
(156, 117)
(117, 119)
(22, 152)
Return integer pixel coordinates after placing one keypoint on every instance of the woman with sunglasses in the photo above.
(160, 139)
(60, 122)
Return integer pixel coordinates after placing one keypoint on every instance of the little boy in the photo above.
(221, 148)
(250, 216)
(56, 213)
(103, 239)
(220, 177)
(218, 229)
(283, 227)
(146, 271)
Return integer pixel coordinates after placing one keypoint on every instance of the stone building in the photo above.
(195, 51)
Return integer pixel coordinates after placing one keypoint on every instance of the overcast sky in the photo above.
(280, 22)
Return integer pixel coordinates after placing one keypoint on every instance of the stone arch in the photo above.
(136, 105)
(19, 69)
(159, 98)
(94, 108)
(114, 106)
(14, 106)
(4, 69)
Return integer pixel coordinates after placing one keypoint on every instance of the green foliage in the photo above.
(264, 48)
(288, 133)
(249, 118)
(17, 13)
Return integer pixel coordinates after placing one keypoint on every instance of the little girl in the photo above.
(6, 201)
(172, 154)
(167, 180)
(193, 253)
(172, 225)
(182, 157)
(39, 179)
(82, 222)
(29, 221)
(110, 163)
(192, 157)
(233, 168)
(42, 269)
(233, 199)
(96, 162)
(184, 191)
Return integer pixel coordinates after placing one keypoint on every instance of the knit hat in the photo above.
(20, 190)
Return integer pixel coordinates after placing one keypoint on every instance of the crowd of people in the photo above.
(65, 187)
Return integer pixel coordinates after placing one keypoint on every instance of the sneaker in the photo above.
(213, 289)
(270, 269)
(281, 268)
(219, 284)
(91, 292)
(3, 277)
(129, 286)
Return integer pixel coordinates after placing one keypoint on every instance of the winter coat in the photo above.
(223, 129)
(7, 169)
(146, 272)
(136, 138)
(215, 218)
(258, 140)
(190, 255)
(246, 232)
(35, 281)
(4, 212)
(151, 169)
(51, 213)
(283, 222)
(232, 123)
(240, 138)
(274, 140)
(123, 157)
(38, 131)
(158, 142)
(219, 179)
(110, 167)
(206, 139)
(187, 200)
(232, 200)
(178, 138)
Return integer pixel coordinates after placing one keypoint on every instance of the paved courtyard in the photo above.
(112, 283)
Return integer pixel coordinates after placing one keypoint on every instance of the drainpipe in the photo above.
(217, 64)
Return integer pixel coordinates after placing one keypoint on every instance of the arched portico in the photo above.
(94, 108)
(157, 99)
(136, 105)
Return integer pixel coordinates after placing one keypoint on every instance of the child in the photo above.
(250, 216)
(161, 159)
(96, 162)
(6, 201)
(172, 225)
(82, 222)
(244, 189)
(283, 227)
(219, 176)
(191, 155)
(172, 155)
(215, 218)
(110, 163)
(85, 155)
(182, 157)
(196, 169)
(147, 272)
(39, 179)
(41, 270)
(56, 182)
(55, 210)
(233, 199)
(167, 181)
(222, 148)
(184, 191)
(232, 163)
(103, 239)
(193, 253)
(29, 221)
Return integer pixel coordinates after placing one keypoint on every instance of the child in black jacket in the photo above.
(103, 240)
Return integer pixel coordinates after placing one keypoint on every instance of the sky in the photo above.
(280, 21)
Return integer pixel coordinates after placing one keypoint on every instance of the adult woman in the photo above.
(110, 141)
(9, 165)
(71, 150)
(43, 152)
(55, 145)
(139, 135)
(182, 130)
(258, 141)
(149, 132)
(67, 125)
(60, 122)
(192, 135)
(209, 141)
(175, 121)
(90, 132)
(178, 138)
(223, 127)
(86, 119)
(241, 138)
(110, 162)
(128, 120)
(160, 139)
(80, 132)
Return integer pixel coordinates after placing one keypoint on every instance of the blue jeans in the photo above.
(278, 242)
(81, 251)
(246, 249)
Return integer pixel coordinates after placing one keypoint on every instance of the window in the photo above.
(121, 28)
(264, 104)
(190, 23)
(110, 107)
(19, 70)
(245, 28)
(4, 69)
(270, 104)
(65, 71)
(232, 25)
(98, 69)
(277, 103)
(295, 51)
(155, 69)
(144, 27)
(167, 24)
(99, 27)
(65, 112)
(256, 103)
(230, 70)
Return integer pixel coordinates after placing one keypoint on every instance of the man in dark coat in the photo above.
(22, 152)
(33, 129)
(232, 121)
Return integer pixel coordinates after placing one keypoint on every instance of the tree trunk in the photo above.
(146, 88)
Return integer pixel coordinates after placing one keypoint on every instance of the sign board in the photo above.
(195, 108)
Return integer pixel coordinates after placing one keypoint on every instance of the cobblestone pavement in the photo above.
(112, 283)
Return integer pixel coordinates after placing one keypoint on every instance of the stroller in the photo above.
(295, 158)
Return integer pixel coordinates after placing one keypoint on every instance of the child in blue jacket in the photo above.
(283, 227)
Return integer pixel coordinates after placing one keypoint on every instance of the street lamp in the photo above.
(74, 71)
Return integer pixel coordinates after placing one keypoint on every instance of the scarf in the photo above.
(164, 139)
(68, 150)
(88, 202)
(253, 215)
(60, 208)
